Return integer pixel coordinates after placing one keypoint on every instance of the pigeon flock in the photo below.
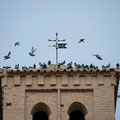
(69, 65)
(17, 44)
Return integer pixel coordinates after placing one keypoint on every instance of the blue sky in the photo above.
(33, 22)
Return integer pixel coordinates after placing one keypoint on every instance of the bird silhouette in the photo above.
(69, 65)
(24, 68)
(58, 66)
(7, 67)
(34, 66)
(32, 52)
(118, 96)
(7, 56)
(49, 62)
(44, 66)
(107, 66)
(77, 65)
(17, 66)
(118, 65)
(91, 66)
(81, 40)
(17, 43)
(62, 63)
(103, 67)
(98, 57)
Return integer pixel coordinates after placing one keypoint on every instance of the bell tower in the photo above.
(59, 93)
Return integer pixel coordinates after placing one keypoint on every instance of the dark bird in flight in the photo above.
(32, 52)
(17, 43)
(98, 57)
(7, 56)
(81, 40)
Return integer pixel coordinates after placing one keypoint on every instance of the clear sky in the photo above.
(33, 22)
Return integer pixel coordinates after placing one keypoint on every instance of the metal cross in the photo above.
(58, 46)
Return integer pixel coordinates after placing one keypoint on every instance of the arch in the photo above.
(77, 111)
(41, 107)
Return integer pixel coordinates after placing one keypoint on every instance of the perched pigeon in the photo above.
(7, 67)
(118, 65)
(17, 43)
(103, 67)
(17, 66)
(30, 67)
(24, 68)
(58, 66)
(91, 66)
(70, 63)
(44, 66)
(49, 62)
(82, 66)
(7, 56)
(107, 66)
(81, 40)
(77, 65)
(118, 96)
(98, 57)
(87, 67)
(34, 66)
(62, 63)
(95, 67)
(32, 52)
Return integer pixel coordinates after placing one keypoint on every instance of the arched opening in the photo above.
(41, 111)
(40, 116)
(77, 111)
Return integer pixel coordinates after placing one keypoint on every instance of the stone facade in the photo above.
(58, 93)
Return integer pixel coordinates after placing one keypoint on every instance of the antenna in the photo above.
(57, 46)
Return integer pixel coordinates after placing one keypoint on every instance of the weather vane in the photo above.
(58, 46)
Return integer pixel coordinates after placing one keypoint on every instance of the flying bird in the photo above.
(32, 52)
(17, 43)
(98, 57)
(7, 56)
(81, 40)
